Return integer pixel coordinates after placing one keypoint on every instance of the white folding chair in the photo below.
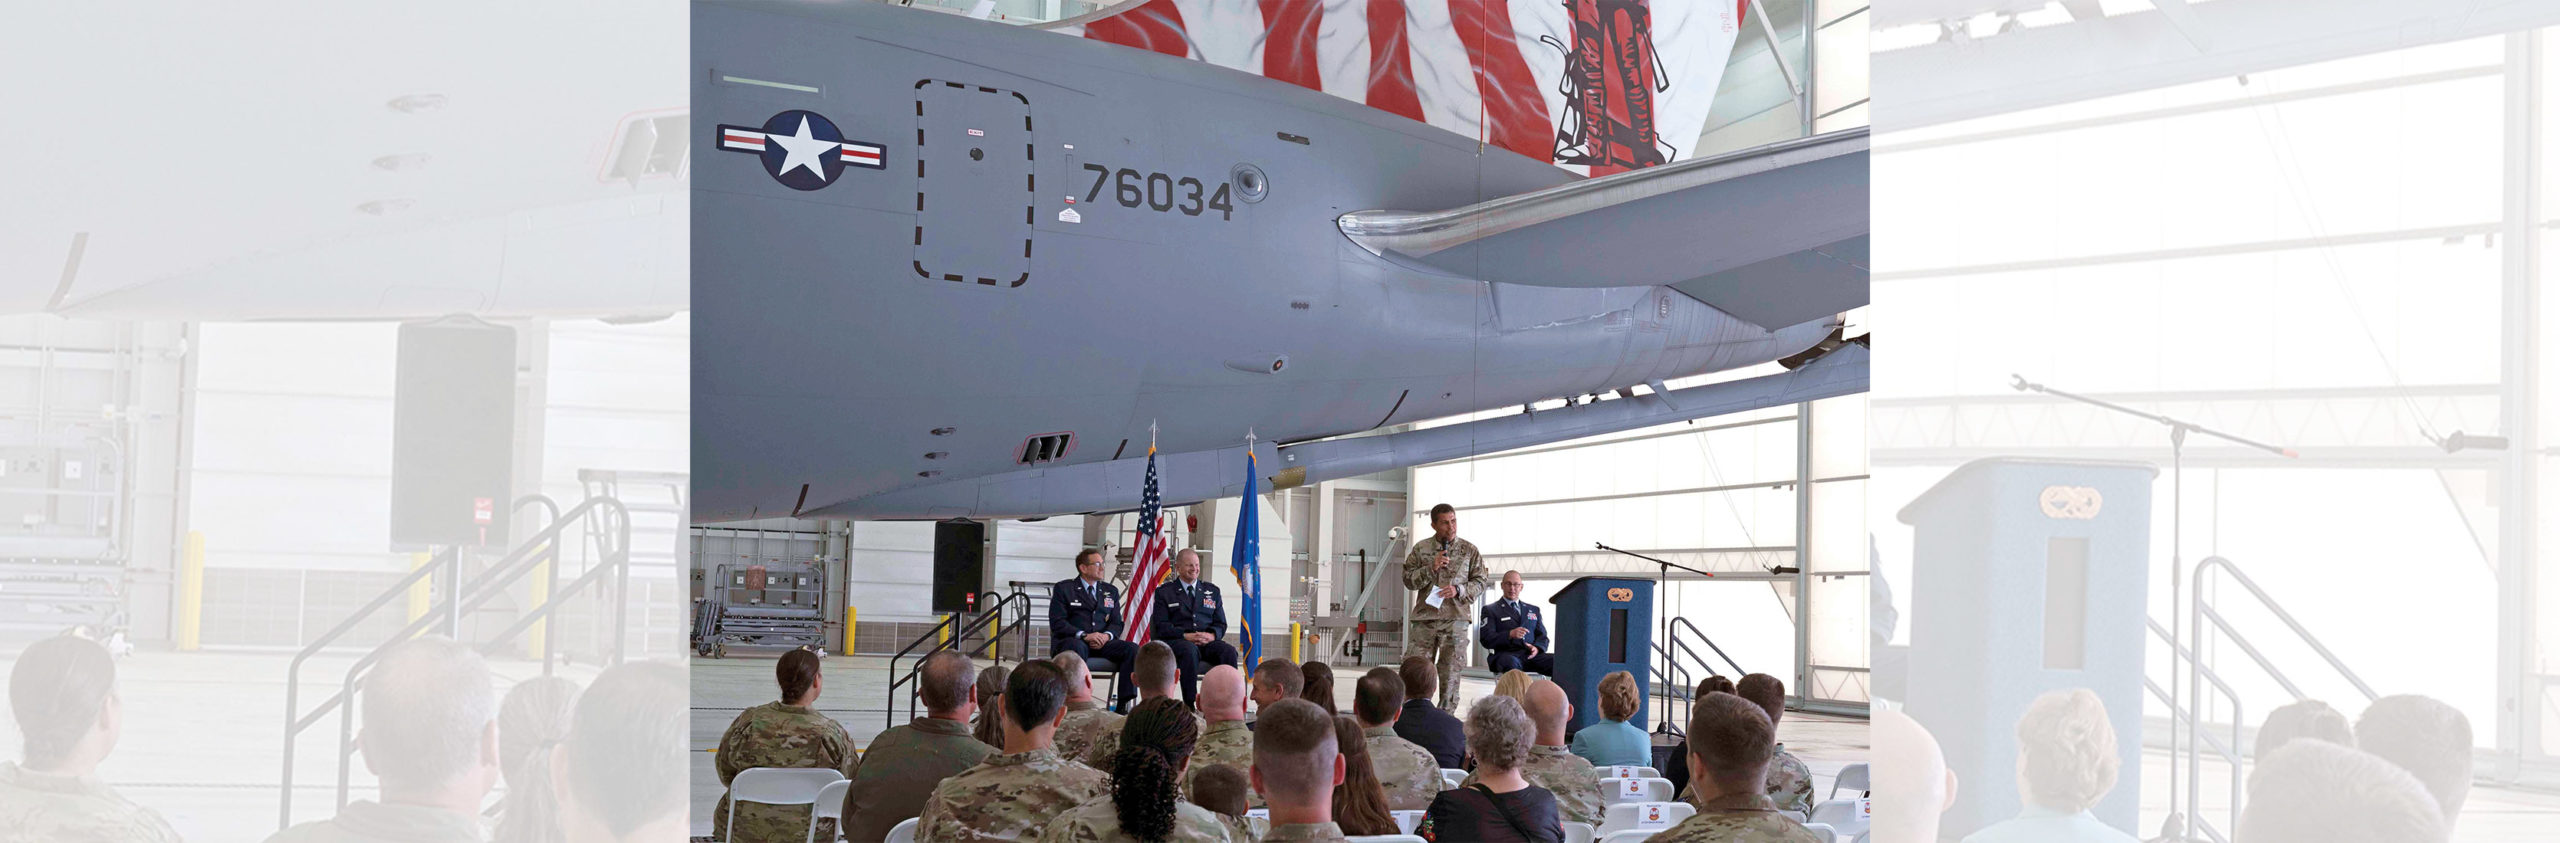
(1387, 838)
(830, 806)
(1852, 777)
(1615, 791)
(1651, 816)
(1632, 835)
(1454, 778)
(1847, 816)
(778, 786)
(1575, 832)
(1824, 833)
(1624, 771)
(903, 832)
(1407, 821)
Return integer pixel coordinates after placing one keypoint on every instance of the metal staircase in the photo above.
(604, 519)
(2194, 716)
(1677, 669)
(977, 633)
(660, 552)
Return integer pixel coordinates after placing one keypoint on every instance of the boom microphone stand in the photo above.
(1662, 586)
(2178, 430)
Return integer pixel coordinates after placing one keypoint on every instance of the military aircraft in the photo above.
(952, 268)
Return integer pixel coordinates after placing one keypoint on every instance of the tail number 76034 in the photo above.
(1159, 192)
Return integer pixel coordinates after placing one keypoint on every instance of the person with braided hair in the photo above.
(1145, 804)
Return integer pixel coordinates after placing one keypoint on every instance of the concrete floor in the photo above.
(856, 693)
(203, 739)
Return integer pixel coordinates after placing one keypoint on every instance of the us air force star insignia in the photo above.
(802, 149)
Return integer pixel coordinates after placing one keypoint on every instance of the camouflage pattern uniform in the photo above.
(1441, 634)
(1098, 821)
(1738, 819)
(1245, 829)
(1008, 797)
(73, 809)
(1407, 771)
(1570, 777)
(778, 735)
(1107, 744)
(1790, 782)
(374, 822)
(1085, 725)
(1307, 833)
(1227, 742)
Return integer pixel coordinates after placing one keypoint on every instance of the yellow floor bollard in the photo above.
(848, 629)
(419, 591)
(1296, 634)
(191, 593)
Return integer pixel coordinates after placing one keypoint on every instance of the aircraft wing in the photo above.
(1775, 235)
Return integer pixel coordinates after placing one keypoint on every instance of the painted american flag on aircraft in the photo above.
(1154, 559)
(1595, 86)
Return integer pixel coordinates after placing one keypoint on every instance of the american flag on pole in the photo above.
(1154, 559)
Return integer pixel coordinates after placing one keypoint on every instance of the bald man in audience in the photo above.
(906, 763)
(2320, 792)
(1086, 722)
(1296, 764)
(1227, 741)
(2426, 737)
(1572, 779)
(1729, 741)
(1913, 787)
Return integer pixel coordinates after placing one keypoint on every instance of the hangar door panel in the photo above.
(974, 184)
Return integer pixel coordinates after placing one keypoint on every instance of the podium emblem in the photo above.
(2074, 503)
(1622, 595)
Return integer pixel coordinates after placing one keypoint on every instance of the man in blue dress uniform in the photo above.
(1514, 634)
(1084, 618)
(1191, 618)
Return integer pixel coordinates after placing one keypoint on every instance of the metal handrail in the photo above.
(1678, 622)
(959, 633)
(1670, 675)
(2230, 752)
(459, 597)
(2200, 611)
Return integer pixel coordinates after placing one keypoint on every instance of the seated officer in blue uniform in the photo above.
(1514, 634)
(1084, 618)
(1190, 618)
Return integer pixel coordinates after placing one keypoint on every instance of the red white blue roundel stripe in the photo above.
(801, 149)
(856, 153)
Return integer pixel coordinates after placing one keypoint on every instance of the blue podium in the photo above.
(1603, 624)
(2027, 576)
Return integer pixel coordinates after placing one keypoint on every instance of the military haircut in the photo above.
(1156, 667)
(1294, 747)
(1073, 669)
(1421, 680)
(1282, 674)
(795, 672)
(1221, 788)
(2424, 736)
(1734, 739)
(1766, 691)
(625, 749)
(2302, 719)
(1716, 685)
(2320, 792)
(426, 703)
(1034, 694)
(1377, 696)
(1441, 509)
(1618, 700)
(57, 689)
(1092, 552)
(948, 677)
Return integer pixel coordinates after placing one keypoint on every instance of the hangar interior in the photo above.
(1771, 503)
(2320, 233)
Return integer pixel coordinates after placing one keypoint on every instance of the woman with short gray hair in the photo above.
(1501, 806)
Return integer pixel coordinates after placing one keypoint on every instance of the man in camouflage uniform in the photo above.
(1571, 777)
(1296, 764)
(1729, 741)
(1221, 788)
(1158, 676)
(1790, 782)
(1227, 741)
(786, 733)
(1013, 795)
(1448, 568)
(1407, 771)
(1087, 723)
(62, 691)
(431, 735)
